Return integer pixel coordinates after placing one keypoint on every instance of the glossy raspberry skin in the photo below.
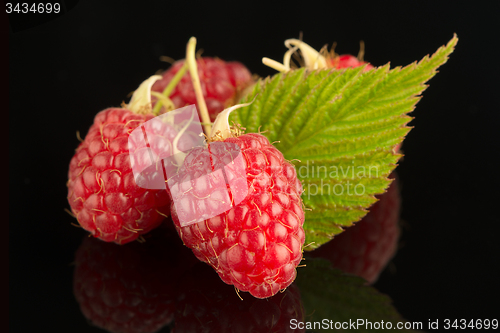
(256, 245)
(221, 83)
(102, 192)
(346, 61)
(130, 288)
(206, 304)
(365, 248)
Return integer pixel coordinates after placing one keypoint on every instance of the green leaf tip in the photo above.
(341, 129)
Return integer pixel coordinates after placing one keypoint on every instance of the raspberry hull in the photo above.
(102, 192)
(221, 83)
(256, 245)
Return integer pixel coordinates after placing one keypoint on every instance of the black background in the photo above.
(62, 72)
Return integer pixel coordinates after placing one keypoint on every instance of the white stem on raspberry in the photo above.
(141, 99)
(221, 129)
(275, 65)
(193, 70)
(312, 58)
(288, 56)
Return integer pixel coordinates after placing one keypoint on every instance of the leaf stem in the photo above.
(171, 85)
(195, 79)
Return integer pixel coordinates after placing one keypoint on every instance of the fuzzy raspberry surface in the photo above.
(256, 245)
(206, 304)
(130, 288)
(365, 248)
(346, 61)
(102, 192)
(221, 84)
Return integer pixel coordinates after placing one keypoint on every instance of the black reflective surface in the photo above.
(62, 72)
(146, 287)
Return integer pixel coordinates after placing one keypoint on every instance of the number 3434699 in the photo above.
(35, 8)
(472, 324)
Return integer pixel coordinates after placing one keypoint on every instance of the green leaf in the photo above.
(340, 129)
(328, 293)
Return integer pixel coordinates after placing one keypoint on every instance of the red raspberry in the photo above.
(257, 244)
(206, 304)
(221, 82)
(130, 288)
(346, 61)
(102, 191)
(365, 248)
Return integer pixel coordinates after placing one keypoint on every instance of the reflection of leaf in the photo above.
(328, 293)
(343, 126)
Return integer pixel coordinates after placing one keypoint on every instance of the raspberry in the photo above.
(205, 304)
(130, 288)
(346, 61)
(221, 82)
(257, 244)
(365, 248)
(102, 192)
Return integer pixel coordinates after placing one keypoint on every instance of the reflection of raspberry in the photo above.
(205, 304)
(365, 248)
(130, 288)
(102, 191)
(256, 245)
(221, 84)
